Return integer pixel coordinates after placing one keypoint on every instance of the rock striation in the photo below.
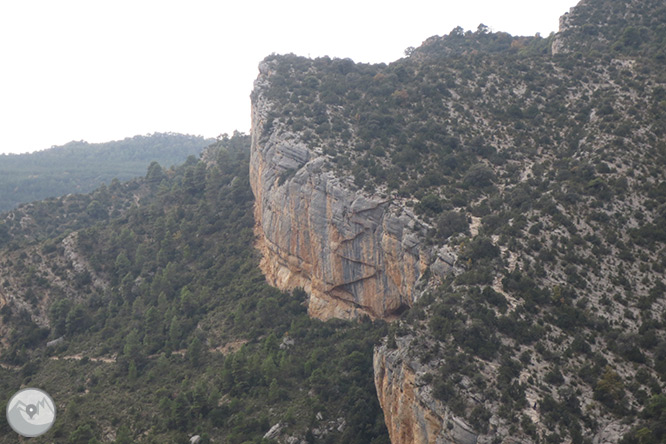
(353, 253)
(411, 413)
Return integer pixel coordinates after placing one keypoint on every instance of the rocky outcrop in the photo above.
(353, 253)
(412, 415)
(610, 26)
(558, 46)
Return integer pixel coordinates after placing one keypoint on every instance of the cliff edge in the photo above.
(354, 253)
(412, 414)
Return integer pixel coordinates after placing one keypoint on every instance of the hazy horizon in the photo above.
(84, 71)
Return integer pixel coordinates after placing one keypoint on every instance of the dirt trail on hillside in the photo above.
(229, 347)
(78, 357)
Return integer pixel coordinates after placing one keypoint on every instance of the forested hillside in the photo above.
(482, 222)
(169, 328)
(80, 167)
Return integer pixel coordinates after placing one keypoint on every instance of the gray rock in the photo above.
(286, 343)
(274, 431)
(447, 255)
(461, 433)
(55, 342)
(440, 268)
(611, 433)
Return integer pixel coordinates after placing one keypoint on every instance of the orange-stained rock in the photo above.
(411, 414)
(353, 253)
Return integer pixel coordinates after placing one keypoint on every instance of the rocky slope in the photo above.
(511, 192)
(636, 27)
(412, 414)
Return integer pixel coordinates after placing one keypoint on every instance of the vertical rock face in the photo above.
(412, 415)
(353, 253)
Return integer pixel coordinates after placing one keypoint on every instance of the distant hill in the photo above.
(80, 167)
(168, 327)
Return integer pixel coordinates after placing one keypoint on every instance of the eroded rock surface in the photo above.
(411, 413)
(352, 252)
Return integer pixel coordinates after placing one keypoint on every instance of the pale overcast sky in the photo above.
(106, 70)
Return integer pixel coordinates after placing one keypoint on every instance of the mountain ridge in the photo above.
(81, 167)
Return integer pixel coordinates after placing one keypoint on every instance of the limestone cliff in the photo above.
(411, 413)
(354, 253)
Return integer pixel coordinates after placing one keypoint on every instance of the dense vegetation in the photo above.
(80, 167)
(169, 327)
